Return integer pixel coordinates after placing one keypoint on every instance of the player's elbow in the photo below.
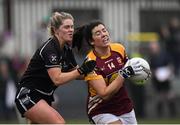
(104, 96)
(58, 81)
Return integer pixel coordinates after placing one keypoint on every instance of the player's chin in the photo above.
(69, 40)
(106, 44)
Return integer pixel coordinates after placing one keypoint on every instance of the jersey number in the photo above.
(111, 65)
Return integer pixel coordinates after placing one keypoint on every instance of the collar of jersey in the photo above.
(106, 56)
(103, 57)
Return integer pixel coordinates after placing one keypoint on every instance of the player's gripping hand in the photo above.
(87, 67)
(131, 69)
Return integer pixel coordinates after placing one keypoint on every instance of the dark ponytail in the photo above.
(83, 34)
(79, 37)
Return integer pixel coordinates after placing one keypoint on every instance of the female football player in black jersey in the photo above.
(53, 64)
(108, 100)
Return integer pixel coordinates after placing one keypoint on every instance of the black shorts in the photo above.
(27, 98)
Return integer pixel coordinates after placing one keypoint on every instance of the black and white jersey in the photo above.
(47, 56)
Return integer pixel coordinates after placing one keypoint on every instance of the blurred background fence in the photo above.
(134, 23)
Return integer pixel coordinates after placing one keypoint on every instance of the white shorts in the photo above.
(126, 119)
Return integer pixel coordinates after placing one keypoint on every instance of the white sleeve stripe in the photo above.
(40, 53)
(24, 107)
(49, 66)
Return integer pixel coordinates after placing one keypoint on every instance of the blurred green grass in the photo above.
(160, 121)
(140, 121)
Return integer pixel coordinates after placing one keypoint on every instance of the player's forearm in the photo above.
(65, 77)
(113, 87)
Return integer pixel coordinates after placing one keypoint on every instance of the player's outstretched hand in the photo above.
(87, 67)
(131, 69)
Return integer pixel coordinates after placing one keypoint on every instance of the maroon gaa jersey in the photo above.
(107, 69)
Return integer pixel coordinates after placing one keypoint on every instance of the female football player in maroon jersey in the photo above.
(108, 101)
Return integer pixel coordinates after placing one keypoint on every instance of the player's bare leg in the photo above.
(44, 114)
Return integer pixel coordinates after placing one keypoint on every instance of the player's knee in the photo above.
(61, 121)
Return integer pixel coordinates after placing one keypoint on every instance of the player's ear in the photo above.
(55, 30)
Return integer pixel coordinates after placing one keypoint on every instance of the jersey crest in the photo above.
(53, 58)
